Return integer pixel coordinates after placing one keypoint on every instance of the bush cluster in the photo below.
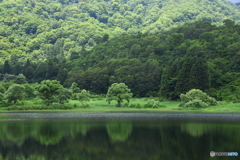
(196, 98)
(135, 105)
(84, 105)
(153, 104)
(150, 104)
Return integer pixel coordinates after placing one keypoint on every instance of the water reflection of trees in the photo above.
(48, 134)
(79, 140)
(197, 129)
(119, 131)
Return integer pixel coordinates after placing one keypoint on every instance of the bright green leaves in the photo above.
(64, 95)
(48, 90)
(14, 93)
(83, 96)
(196, 98)
(118, 92)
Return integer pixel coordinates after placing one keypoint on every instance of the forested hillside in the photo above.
(197, 55)
(42, 29)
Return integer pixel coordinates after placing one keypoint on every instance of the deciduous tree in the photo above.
(14, 93)
(118, 92)
(83, 96)
(49, 91)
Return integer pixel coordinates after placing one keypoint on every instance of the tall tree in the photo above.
(62, 75)
(199, 76)
(6, 68)
(83, 96)
(183, 76)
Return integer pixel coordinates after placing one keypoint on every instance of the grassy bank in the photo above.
(100, 105)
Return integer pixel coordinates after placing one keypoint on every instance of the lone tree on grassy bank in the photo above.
(75, 90)
(14, 93)
(118, 92)
(49, 91)
(83, 96)
(196, 98)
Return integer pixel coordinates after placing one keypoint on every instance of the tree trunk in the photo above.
(119, 104)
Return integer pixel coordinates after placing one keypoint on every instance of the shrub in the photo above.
(136, 105)
(99, 96)
(196, 98)
(75, 105)
(83, 96)
(74, 96)
(153, 104)
(59, 106)
(125, 105)
(223, 102)
(161, 99)
(196, 103)
(84, 105)
(37, 100)
(53, 106)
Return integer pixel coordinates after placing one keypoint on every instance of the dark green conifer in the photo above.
(6, 68)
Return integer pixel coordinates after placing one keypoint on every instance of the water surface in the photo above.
(70, 136)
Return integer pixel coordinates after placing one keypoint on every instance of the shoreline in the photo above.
(99, 105)
(119, 111)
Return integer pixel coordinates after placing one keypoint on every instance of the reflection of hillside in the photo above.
(65, 140)
(119, 131)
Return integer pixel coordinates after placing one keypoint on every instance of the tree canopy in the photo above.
(49, 90)
(197, 55)
(43, 29)
(118, 92)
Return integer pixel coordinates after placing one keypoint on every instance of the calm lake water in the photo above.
(117, 136)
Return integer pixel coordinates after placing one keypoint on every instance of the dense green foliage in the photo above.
(197, 55)
(196, 98)
(118, 92)
(42, 29)
(64, 95)
(83, 97)
(49, 91)
(14, 93)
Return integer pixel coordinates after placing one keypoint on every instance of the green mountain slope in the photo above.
(196, 55)
(41, 29)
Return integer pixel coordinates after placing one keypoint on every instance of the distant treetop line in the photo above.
(43, 29)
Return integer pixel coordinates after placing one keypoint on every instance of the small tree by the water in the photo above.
(48, 91)
(118, 92)
(83, 96)
(75, 90)
(14, 93)
(197, 98)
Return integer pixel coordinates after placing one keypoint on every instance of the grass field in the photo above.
(100, 105)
